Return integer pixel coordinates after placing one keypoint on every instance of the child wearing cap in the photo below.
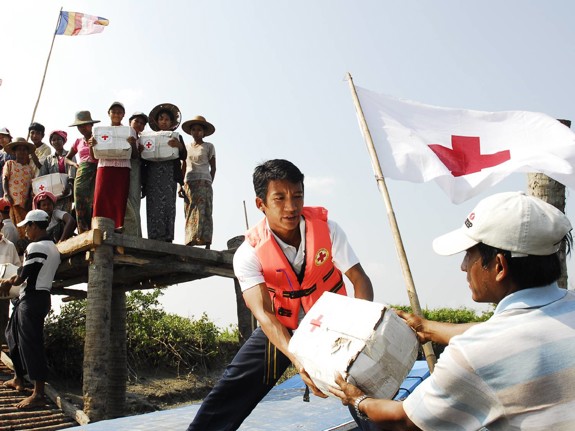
(133, 223)
(161, 179)
(25, 330)
(200, 168)
(17, 180)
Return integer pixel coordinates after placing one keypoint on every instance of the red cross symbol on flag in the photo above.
(105, 137)
(316, 323)
(465, 157)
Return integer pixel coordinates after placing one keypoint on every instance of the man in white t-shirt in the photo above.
(287, 261)
(25, 330)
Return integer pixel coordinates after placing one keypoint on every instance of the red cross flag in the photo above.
(465, 151)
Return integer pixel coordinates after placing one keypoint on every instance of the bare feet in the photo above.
(32, 401)
(14, 384)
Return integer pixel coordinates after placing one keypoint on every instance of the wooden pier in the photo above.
(112, 264)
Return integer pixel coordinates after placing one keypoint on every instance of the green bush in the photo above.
(448, 315)
(155, 338)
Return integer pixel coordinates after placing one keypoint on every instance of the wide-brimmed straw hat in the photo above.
(153, 117)
(209, 128)
(20, 141)
(83, 117)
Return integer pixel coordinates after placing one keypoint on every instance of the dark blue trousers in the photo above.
(25, 335)
(250, 376)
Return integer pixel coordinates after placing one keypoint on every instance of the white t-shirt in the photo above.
(249, 271)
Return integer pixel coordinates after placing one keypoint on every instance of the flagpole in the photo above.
(411, 292)
(46, 68)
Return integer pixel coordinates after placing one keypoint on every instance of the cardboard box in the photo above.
(366, 342)
(7, 270)
(112, 143)
(156, 146)
(53, 183)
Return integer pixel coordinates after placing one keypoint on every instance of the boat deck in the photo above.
(282, 408)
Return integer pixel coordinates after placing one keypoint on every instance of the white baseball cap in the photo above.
(512, 221)
(34, 215)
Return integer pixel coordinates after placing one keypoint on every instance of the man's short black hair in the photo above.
(276, 169)
(37, 127)
(529, 271)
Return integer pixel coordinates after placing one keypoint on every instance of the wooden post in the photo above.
(553, 192)
(98, 315)
(405, 269)
(245, 317)
(118, 360)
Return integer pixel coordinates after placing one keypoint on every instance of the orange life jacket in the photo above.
(287, 291)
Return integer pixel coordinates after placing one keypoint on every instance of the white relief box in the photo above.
(156, 146)
(366, 342)
(112, 142)
(53, 183)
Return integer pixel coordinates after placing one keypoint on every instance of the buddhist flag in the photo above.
(465, 151)
(76, 23)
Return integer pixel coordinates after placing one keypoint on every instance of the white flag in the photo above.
(465, 151)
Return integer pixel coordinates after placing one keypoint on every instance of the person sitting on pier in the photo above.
(514, 371)
(303, 245)
(25, 330)
(62, 224)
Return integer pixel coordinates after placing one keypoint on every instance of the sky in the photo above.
(270, 75)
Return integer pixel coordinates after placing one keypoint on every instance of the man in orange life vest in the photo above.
(286, 262)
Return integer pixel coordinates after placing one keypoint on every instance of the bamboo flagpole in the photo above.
(411, 292)
(46, 67)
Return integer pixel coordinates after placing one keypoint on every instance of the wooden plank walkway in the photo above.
(46, 418)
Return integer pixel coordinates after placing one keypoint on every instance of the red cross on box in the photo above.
(316, 323)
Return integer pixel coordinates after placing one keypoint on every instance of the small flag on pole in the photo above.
(76, 24)
(465, 152)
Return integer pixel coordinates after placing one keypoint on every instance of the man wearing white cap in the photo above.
(516, 371)
(25, 330)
